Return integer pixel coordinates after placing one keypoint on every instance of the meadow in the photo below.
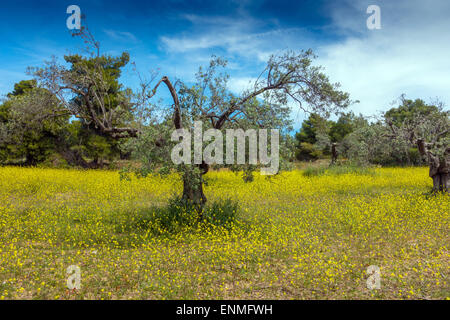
(296, 236)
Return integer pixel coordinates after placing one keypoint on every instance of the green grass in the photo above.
(336, 170)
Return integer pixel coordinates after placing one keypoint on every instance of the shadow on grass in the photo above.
(179, 216)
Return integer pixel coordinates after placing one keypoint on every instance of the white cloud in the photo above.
(239, 84)
(121, 35)
(410, 54)
(241, 36)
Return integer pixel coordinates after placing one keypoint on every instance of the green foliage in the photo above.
(22, 87)
(392, 140)
(308, 136)
(182, 216)
(178, 215)
(89, 89)
(34, 128)
(91, 144)
(317, 134)
(414, 156)
(105, 71)
(310, 128)
(339, 169)
(314, 171)
(409, 110)
(54, 161)
(308, 152)
(345, 125)
(29, 136)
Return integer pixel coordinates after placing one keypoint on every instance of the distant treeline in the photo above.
(64, 141)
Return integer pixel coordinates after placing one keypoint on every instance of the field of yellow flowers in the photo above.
(296, 237)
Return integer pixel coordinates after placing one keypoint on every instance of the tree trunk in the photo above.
(193, 187)
(439, 168)
(334, 153)
(441, 182)
(193, 190)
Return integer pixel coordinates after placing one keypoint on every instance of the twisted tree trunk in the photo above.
(439, 167)
(193, 190)
(193, 187)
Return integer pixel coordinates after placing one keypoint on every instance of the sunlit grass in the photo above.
(295, 237)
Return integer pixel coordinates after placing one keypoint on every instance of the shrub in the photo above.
(54, 161)
(180, 215)
(308, 152)
(414, 156)
(221, 213)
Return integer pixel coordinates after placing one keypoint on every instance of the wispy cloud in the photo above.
(239, 84)
(243, 36)
(123, 36)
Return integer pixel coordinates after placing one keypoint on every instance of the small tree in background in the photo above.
(405, 134)
(428, 127)
(31, 121)
(312, 131)
(90, 89)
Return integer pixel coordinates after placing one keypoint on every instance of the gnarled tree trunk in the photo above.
(193, 187)
(439, 167)
(193, 190)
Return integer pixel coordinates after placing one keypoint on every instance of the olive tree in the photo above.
(90, 91)
(412, 130)
(428, 128)
(288, 79)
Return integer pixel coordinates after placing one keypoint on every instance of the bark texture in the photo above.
(439, 167)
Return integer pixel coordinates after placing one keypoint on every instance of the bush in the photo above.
(308, 152)
(176, 215)
(180, 215)
(221, 213)
(54, 161)
(414, 156)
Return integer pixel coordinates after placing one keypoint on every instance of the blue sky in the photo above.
(410, 54)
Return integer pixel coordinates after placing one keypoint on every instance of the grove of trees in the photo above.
(80, 114)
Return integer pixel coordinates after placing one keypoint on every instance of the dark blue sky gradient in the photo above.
(34, 30)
